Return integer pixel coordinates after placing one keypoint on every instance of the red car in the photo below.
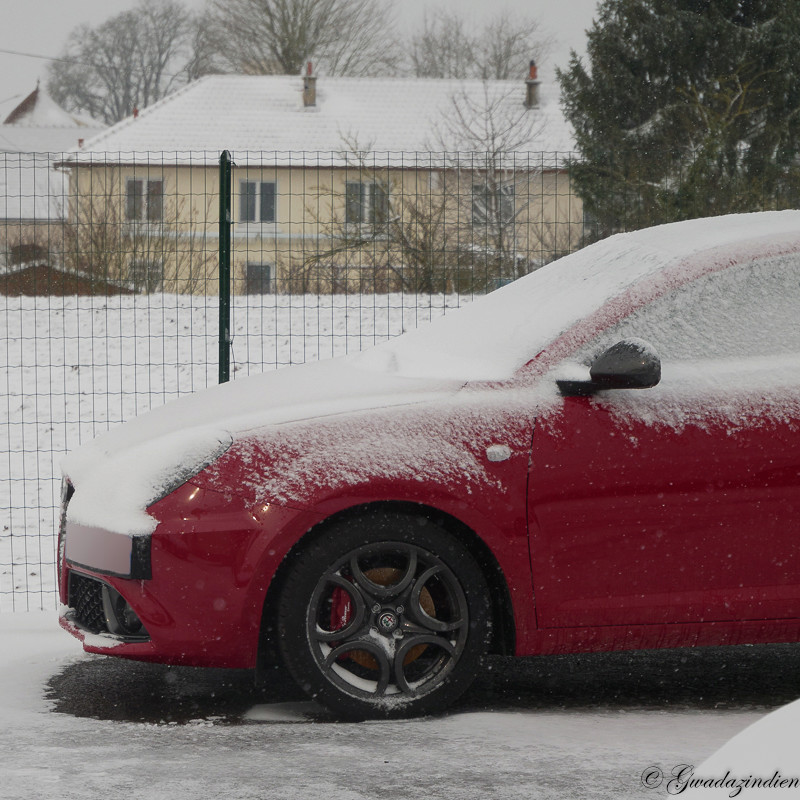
(602, 455)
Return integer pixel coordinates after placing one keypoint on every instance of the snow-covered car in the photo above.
(602, 455)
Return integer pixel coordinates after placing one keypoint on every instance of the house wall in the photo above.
(426, 238)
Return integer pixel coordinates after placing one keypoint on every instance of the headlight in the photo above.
(186, 470)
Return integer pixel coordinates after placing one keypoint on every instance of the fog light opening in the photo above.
(121, 619)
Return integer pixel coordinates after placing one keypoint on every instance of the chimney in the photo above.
(309, 87)
(532, 87)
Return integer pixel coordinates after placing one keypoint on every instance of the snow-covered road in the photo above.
(579, 727)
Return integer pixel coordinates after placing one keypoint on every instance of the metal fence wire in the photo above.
(110, 284)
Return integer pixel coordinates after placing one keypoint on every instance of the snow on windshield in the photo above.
(491, 338)
(729, 345)
(750, 309)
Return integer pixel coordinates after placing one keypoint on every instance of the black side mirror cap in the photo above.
(629, 364)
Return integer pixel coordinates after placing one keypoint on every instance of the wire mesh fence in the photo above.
(110, 283)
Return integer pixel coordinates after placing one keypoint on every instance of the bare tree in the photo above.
(204, 57)
(405, 242)
(502, 50)
(442, 48)
(171, 253)
(342, 37)
(492, 122)
(127, 62)
(486, 137)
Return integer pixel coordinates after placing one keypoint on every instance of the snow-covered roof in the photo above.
(35, 133)
(38, 124)
(266, 115)
(39, 110)
(27, 139)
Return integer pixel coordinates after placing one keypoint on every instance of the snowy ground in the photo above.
(72, 367)
(75, 726)
(584, 727)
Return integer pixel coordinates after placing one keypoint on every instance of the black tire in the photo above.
(383, 615)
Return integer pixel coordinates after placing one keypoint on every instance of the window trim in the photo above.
(251, 203)
(146, 202)
(362, 210)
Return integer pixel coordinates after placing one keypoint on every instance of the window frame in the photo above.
(485, 198)
(366, 203)
(268, 286)
(252, 203)
(146, 202)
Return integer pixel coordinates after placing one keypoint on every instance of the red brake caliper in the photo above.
(340, 609)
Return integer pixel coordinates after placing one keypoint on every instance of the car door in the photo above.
(681, 502)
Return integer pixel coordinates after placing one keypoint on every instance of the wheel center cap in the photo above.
(387, 621)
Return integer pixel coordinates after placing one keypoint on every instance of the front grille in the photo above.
(86, 600)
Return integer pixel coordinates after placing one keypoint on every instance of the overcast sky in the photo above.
(41, 27)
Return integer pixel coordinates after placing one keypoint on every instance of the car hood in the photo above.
(119, 474)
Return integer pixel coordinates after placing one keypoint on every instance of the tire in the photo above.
(384, 615)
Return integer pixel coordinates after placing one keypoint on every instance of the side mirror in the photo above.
(629, 364)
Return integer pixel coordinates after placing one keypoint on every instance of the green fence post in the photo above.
(224, 266)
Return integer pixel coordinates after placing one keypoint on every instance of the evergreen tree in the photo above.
(686, 108)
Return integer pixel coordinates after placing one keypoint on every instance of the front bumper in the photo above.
(97, 608)
(197, 584)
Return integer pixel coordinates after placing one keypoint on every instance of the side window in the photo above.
(745, 311)
(247, 201)
(259, 278)
(134, 198)
(155, 201)
(267, 202)
(493, 204)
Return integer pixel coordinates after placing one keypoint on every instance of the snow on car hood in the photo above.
(119, 474)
